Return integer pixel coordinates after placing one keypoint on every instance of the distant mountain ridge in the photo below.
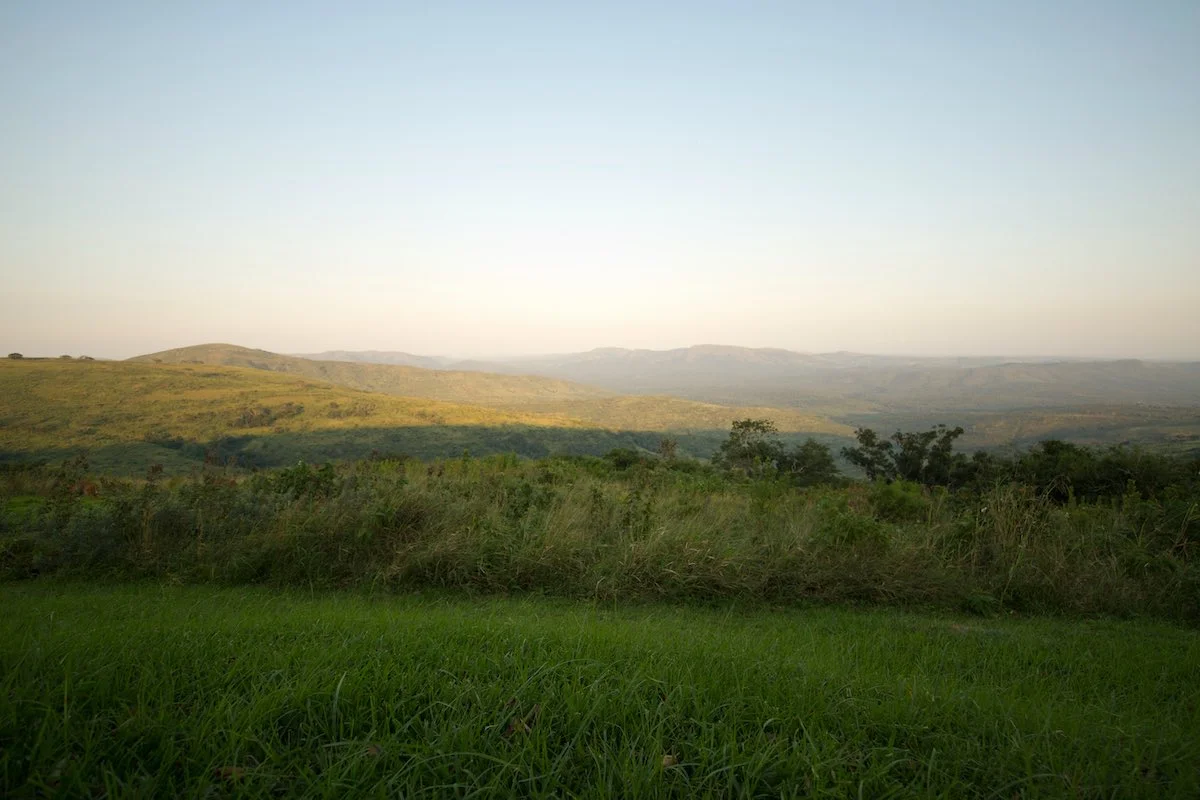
(693, 353)
(855, 381)
(705, 354)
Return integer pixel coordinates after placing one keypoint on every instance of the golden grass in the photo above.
(55, 404)
(525, 394)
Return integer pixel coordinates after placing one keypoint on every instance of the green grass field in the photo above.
(151, 691)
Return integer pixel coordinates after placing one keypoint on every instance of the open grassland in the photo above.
(148, 691)
(475, 388)
(587, 528)
(48, 403)
(517, 393)
(129, 415)
(153, 411)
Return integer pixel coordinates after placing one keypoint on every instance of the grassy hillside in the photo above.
(170, 414)
(473, 388)
(47, 402)
(518, 393)
(1001, 402)
(129, 415)
(394, 357)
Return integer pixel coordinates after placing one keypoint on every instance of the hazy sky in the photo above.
(506, 177)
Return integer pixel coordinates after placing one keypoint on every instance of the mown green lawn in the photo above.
(146, 690)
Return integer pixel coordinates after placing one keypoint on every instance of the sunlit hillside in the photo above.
(131, 412)
(515, 393)
(129, 415)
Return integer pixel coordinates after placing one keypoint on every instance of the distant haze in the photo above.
(488, 179)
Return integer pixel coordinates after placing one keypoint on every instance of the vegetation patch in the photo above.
(616, 528)
(194, 691)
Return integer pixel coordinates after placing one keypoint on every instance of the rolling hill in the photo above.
(127, 416)
(275, 410)
(1000, 401)
(393, 357)
(452, 386)
(517, 393)
(854, 382)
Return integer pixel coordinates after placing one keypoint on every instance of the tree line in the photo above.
(1061, 470)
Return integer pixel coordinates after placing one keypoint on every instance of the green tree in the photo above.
(15, 355)
(926, 457)
(810, 464)
(873, 455)
(753, 446)
(668, 448)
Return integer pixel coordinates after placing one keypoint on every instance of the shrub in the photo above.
(623, 458)
(900, 501)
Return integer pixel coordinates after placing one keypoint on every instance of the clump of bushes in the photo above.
(339, 411)
(265, 416)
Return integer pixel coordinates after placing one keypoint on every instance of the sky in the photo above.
(483, 179)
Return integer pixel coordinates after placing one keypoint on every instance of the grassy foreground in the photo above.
(142, 690)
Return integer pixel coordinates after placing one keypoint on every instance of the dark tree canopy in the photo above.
(754, 447)
(811, 464)
(927, 457)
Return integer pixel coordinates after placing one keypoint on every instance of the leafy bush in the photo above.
(622, 458)
(302, 480)
(901, 501)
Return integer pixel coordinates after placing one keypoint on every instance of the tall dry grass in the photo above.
(578, 528)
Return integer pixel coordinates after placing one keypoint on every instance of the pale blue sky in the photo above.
(502, 177)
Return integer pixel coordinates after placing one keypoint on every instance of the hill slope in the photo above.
(130, 415)
(519, 393)
(462, 387)
(393, 357)
(848, 382)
